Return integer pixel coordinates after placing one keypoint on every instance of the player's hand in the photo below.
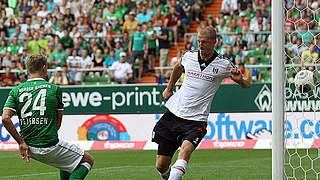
(167, 94)
(236, 74)
(24, 151)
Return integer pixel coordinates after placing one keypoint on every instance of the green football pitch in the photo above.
(139, 165)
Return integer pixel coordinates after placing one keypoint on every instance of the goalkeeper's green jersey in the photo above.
(36, 103)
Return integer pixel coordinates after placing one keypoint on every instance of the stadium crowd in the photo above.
(81, 38)
(91, 34)
(246, 34)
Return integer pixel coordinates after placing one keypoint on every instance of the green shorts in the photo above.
(63, 155)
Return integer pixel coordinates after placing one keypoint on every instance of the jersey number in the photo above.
(40, 96)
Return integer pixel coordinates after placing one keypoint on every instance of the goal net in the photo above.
(301, 124)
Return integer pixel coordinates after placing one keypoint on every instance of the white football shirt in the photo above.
(193, 100)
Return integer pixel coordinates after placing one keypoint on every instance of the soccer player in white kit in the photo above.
(184, 124)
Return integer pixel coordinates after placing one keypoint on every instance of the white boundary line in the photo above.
(96, 169)
(118, 167)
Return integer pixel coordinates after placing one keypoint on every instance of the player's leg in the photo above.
(67, 157)
(83, 168)
(166, 150)
(196, 132)
(163, 166)
(167, 144)
(179, 168)
(64, 175)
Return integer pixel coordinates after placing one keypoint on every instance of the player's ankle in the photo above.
(181, 162)
(165, 175)
(178, 169)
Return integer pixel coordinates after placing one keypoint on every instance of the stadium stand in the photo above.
(96, 28)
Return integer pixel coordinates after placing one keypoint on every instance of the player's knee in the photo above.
(91, 160)
(88, 158)
(186, 150)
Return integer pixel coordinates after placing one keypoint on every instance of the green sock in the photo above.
(64, 175)
(79, 173)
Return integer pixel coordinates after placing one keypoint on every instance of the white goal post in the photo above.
(278, 85)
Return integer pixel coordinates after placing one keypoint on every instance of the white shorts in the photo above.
(63, 155)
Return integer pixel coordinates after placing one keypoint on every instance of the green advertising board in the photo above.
(148, 99)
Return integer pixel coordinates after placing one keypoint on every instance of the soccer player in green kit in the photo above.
(39, 107)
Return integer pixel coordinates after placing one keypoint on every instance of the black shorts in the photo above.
(138, 54)
(170, 131)
(152, 51)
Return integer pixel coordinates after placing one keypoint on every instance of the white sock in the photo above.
(178, 169)
(87, 165)
(166, 174)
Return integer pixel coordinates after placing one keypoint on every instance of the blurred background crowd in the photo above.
(122, 40)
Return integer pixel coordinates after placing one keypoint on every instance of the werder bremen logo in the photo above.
(263, 99)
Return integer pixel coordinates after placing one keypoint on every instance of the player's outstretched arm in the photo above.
(23, 147)
(239, 78)
(175, 75)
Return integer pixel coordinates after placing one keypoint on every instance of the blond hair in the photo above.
(35, 63)
(210, 31)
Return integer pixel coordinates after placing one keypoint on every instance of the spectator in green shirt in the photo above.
(54, 24)
(113, 18)
(249, 12)
(118, 48)
(59, 57)
(82, 43)
(12, 3)
(138, 46)
(66, 40)
(121, 8)
(15, 48)
(3, 47)
(152, 45)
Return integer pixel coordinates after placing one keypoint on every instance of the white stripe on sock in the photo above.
(87, 165)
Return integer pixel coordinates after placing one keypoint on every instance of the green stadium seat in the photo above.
(265, 59)
(251, 53)
(269, 51)
(264, 72)
(170, 38)
(258, 51)
(114, 82)
(227, 18)
(92, 78)
(102, 83)
(88, 83)
(104, 78)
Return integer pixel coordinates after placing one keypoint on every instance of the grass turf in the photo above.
(139, 165)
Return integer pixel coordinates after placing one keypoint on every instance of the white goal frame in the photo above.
(278, 85)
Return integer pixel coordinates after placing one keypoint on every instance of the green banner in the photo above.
(113, 99)
(148, 99)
